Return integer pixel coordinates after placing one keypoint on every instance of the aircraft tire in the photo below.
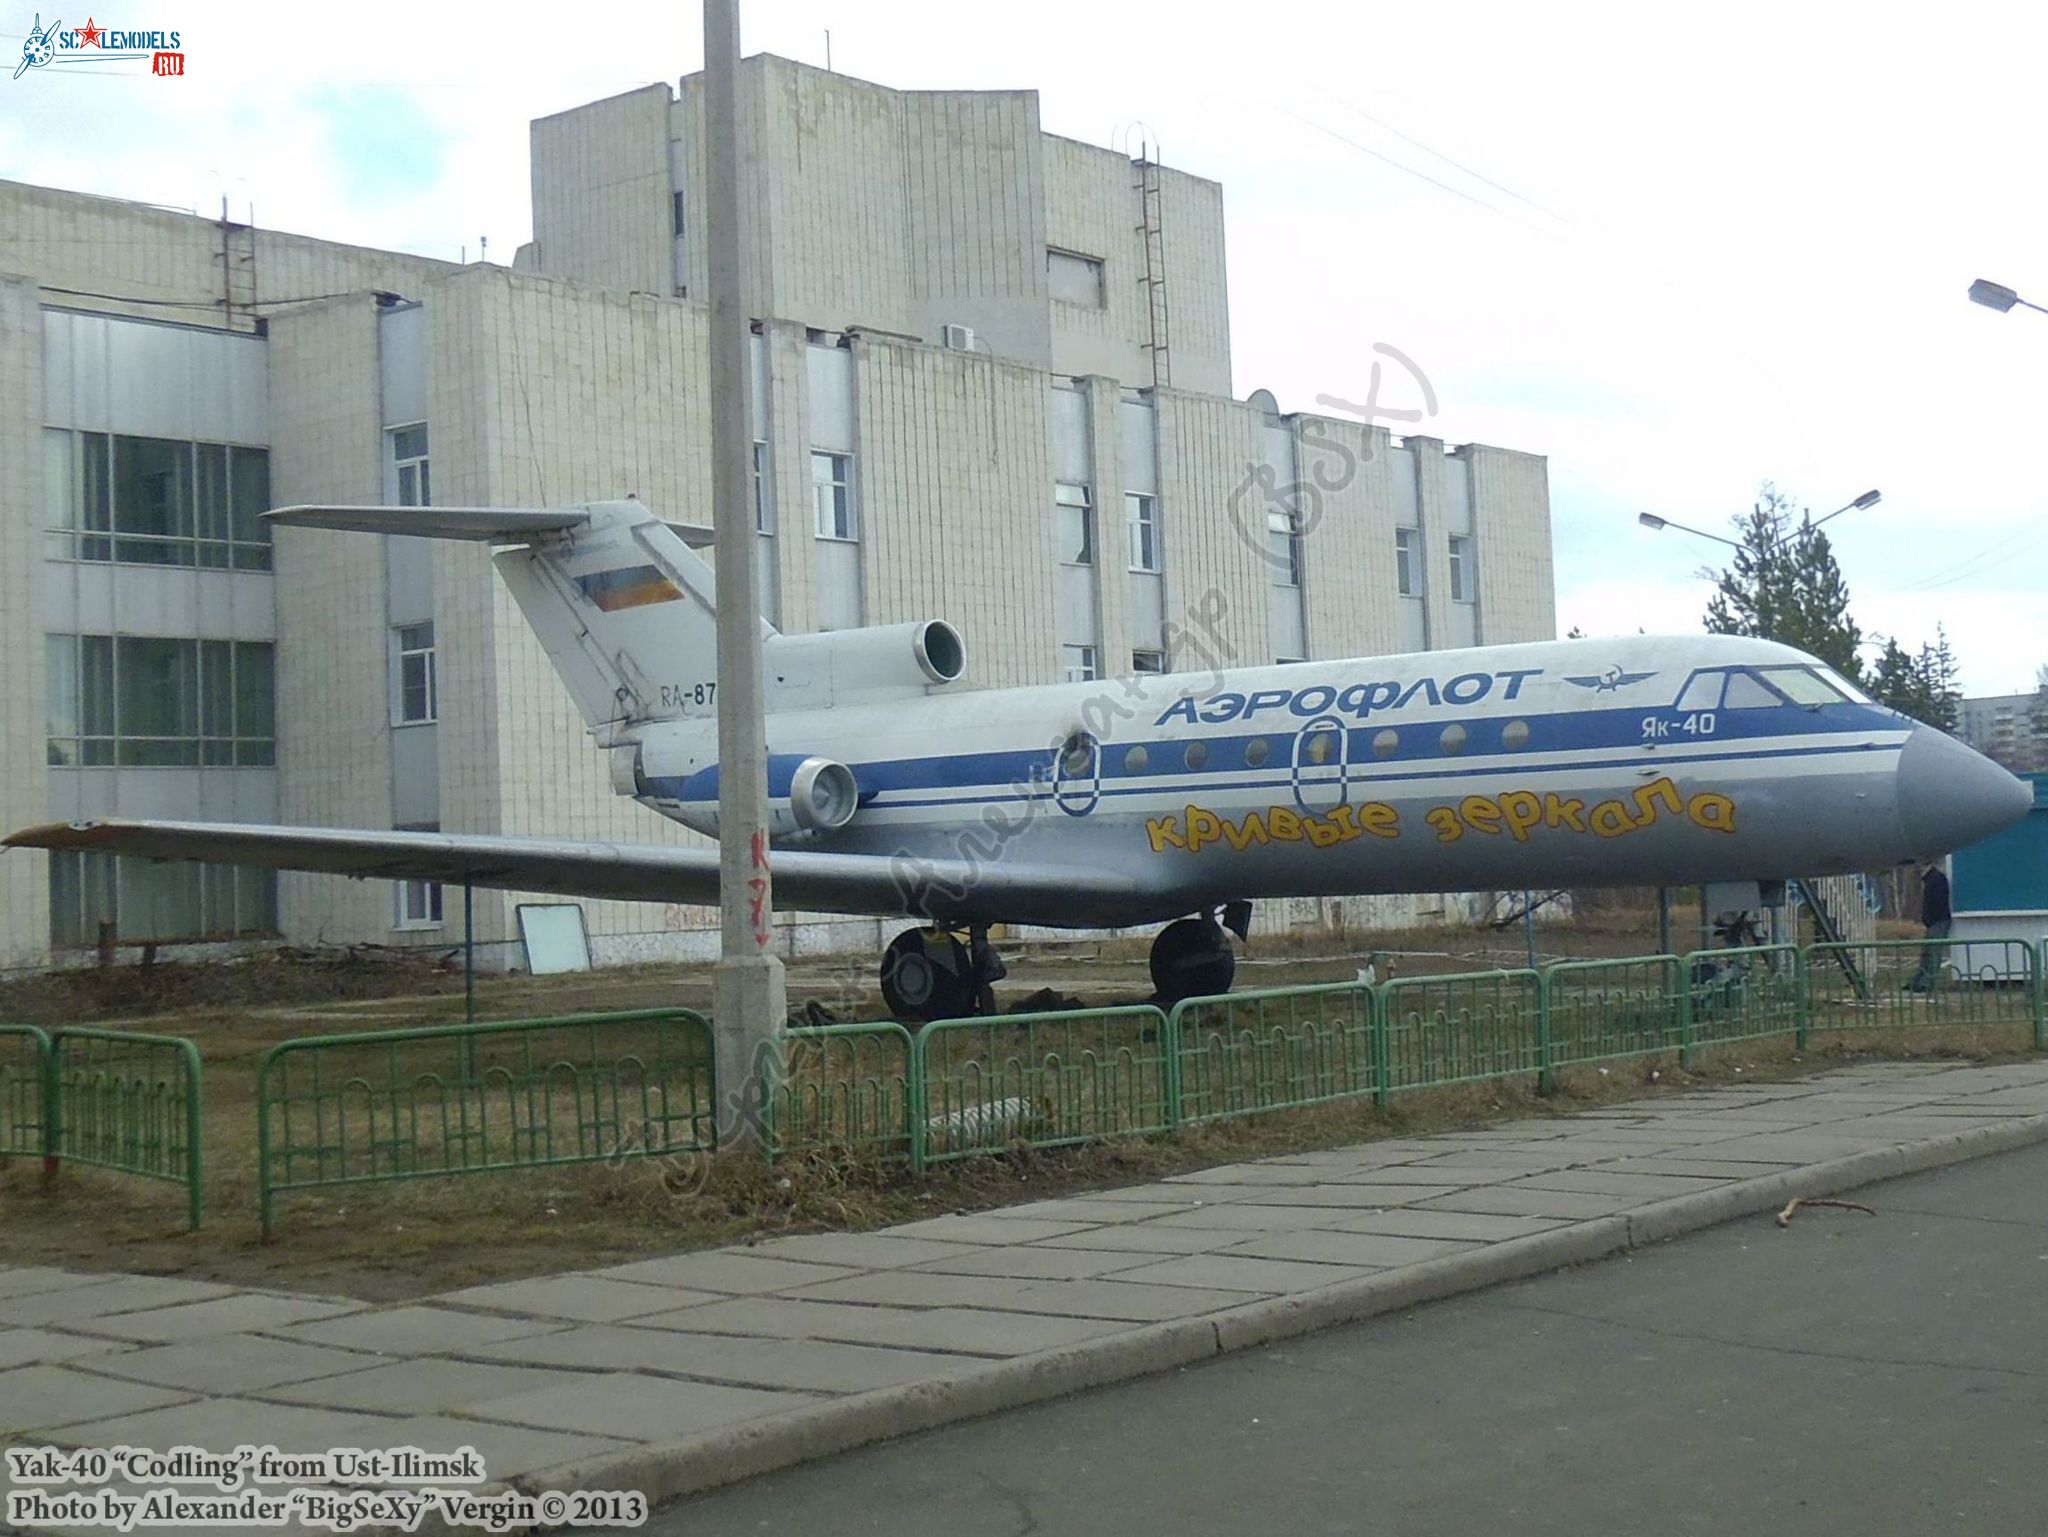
(1191, 959)
(926, 975)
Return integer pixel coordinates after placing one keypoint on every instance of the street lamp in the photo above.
(1996, 296)
(1765, 554)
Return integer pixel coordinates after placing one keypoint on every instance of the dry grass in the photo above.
(394, 1241)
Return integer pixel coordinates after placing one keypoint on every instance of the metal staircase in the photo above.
(1842, 913)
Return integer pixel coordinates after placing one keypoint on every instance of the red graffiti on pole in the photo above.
(757, 890)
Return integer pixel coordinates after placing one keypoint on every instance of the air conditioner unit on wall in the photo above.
(959, 338)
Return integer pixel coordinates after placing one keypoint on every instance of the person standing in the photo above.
(1937, 919)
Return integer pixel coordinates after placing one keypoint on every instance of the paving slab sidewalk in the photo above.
(675, 1374)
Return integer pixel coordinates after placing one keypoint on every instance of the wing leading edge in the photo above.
(946, 890)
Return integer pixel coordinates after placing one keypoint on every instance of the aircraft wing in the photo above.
(948, 890)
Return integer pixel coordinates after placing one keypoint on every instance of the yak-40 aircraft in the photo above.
(1159, 798)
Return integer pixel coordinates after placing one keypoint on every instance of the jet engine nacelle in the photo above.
(815, 795)
(848, 666)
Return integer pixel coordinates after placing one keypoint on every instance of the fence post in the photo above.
(2037, 962)
(1169, 1042)
(1685, 1012)
(1382, 1056)
(195, 1159)
(52, 1136)
(1545, 1049)
(1802, 996)
(915, 1088)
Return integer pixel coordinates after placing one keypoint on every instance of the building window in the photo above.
(1407, 570)
(409, 459)
(1074, 279)
(1079, 662)
(677, 207)
(418, 691)
(156, 501)
(1075, 526)
(832, 489)
(1148, 661)
(1283, 541)
(764, 522)
(418, 903)
(1461, 568)
(1141, 517)
(138, 701)
(150, 901)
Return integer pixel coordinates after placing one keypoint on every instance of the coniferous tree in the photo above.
(1785, 585)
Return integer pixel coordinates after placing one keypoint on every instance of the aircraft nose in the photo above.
(1950, 796)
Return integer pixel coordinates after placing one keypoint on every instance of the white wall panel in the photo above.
(402, 364)
(149, 379)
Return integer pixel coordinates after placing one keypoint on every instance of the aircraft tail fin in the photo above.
(625, 610)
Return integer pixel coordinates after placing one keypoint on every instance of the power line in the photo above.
(1350, 106)
(1402, 165)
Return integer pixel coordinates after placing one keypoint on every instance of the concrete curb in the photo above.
(738, 1452)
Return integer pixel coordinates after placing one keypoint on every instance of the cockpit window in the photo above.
(1703, 692)
(1803, 685)
(1745, 693)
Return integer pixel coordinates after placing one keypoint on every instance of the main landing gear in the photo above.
(930, 973)
(1192, 959)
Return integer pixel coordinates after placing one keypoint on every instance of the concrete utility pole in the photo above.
(749, 994)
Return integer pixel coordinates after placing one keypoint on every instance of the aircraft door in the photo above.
(1322, 772)
(1077, 774)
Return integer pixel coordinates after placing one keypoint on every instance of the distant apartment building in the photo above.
(2011, 729)
(991, 385)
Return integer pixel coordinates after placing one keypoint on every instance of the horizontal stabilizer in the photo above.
(500, 524)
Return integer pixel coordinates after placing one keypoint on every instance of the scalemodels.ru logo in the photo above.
(95, 44)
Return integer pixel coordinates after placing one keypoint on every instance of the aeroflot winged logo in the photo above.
(1610, 680)
(95, 44)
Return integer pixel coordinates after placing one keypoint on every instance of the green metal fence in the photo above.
(1046, 1079)
(1279, 1049)
(1600, 1011)
(127, 1101)
(393, 1105)
(1925, 984)
(1741, 994)
(1461, 1028)
(24, 1069)
(844, 1087)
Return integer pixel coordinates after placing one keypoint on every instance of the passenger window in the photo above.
(1453, 739)
(1514, 736)
(1256, 752)
(1322, 747)
(1078, 756)
(1745, 693)
(1387, 743)
(1135, 760)
(1197, 754)
(1703, 692)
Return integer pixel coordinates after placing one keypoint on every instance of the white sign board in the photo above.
(555, 937)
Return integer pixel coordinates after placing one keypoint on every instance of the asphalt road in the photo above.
(1849, 1375)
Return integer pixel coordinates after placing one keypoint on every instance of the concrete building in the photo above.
(992, 385)
(2011, 729)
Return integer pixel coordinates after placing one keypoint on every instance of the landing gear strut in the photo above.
(929, 974)
(1192, 959)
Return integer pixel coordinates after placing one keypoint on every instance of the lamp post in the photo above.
(750, 1000)
(1765, 554)
(1996, 296)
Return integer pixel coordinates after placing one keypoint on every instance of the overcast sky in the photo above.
(1678, 251)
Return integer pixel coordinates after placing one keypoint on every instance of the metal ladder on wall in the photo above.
(1831, 932)
(237, 270)
(1151, 230)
